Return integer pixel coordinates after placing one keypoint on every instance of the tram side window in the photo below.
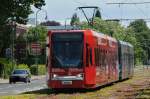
(100, 57)
(104, 58)
(88, 56)
(97, 57)
(91, 56)
(95, 52)
(124, 61)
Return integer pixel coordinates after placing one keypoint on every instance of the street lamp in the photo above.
(66, 22)
(13, 20)
(37, 15)
(36, 54)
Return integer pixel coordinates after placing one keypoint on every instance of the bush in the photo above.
(33, 69)
(40, 70)
(23, 66)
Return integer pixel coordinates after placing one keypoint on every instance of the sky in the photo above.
(62, 10)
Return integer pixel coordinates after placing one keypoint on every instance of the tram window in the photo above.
(87, 55)
(100, 57)
(91, 56)
(103, 57)
(96, 56)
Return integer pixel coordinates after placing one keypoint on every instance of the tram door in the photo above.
(90, 69)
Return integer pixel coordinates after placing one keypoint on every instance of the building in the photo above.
(20, 29)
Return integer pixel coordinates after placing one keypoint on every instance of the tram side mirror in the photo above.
(47, 45)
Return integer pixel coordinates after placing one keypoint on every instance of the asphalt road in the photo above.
(20, 87)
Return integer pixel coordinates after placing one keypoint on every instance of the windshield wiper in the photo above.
(58, 60)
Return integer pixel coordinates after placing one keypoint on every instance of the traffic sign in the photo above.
(36, 45)
(36, 49)
(8, 52)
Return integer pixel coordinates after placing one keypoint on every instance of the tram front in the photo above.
(66, 60)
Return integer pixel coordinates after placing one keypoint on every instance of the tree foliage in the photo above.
(18, 8)
(24, 42)
(98, 14)
(14, 10)
(74, 20)
(139, 26)
(36, 34)
(50, 23)
(142, 35)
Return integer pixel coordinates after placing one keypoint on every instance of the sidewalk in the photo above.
(32, 78)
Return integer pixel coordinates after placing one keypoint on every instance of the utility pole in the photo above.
(36, 56)
(13, 20)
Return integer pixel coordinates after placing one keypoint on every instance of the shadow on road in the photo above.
(49, 91)
(60, 91)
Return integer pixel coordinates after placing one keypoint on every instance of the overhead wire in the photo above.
(80, 3)
(135, 4)
(144, 14)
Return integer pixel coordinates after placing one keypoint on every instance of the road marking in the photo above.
(35, 88)
(12, 89)
(16, 91)
(3, 92)
(9, 86)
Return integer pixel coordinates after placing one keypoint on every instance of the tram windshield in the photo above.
(67, 50)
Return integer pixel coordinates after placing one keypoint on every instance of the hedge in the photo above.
(38, 70)
(6, 67)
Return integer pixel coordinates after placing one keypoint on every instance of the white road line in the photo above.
(3, 92)
(35, 88)
(9, 86)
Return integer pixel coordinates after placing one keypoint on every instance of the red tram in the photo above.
(86, 59)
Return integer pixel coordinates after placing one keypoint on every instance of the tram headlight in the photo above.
(54, 75)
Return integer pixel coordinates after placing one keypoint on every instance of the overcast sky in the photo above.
(59, 10)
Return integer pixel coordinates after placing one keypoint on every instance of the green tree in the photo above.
(107, 27)
(139, 26)
(98, 14)
(35, 34)
(50, 23)
(17, 10)
(142, 35)
(75, 19)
